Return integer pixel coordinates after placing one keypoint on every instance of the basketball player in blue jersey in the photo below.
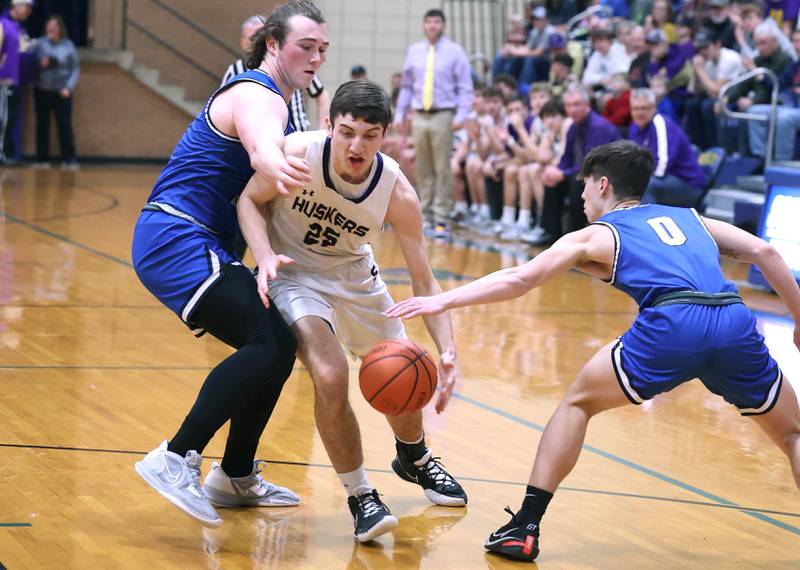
(691, 323)
(333, 294)
(183, 253)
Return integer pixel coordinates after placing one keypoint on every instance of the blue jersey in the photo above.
(663, 249)
(208, 169)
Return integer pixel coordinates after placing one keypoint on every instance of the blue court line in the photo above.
(14, 525)
(59, 237)
(634, 466)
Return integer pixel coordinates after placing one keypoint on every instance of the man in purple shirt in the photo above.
(11, 31)
(678, 179)
(588, 131)
(437, 85)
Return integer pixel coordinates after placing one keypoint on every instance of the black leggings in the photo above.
(245, 386)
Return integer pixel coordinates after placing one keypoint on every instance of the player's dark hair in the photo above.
(434, 13)
(627, 166)
(493, 91)
(553, 107)
(505, 79)
(513, 98)
(362, 99)
(277, 26)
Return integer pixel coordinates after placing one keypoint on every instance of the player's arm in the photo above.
(252, 212)
(737, 244)
(405, 216)
(259, 116)
(578, 249)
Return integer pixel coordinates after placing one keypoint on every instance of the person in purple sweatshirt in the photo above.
(678, 179)
(11, 31)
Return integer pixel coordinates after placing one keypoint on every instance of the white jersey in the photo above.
(331, 222)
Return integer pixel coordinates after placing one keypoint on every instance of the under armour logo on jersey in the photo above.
(374, 272)
(308, 192)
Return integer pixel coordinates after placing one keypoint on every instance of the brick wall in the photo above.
(115, 116)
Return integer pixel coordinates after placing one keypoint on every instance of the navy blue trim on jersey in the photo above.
(616, 250)
(326, 155)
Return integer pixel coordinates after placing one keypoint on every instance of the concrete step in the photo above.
(720, 203)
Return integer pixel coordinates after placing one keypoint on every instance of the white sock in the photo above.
(474, 208)
(411, 442)
(508, 215)
(355, 482)
(484, 211)
(461, 207)
(524, 219)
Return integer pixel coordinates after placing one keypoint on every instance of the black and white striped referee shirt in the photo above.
(297, 110)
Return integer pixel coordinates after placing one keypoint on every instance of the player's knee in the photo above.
(330, 385)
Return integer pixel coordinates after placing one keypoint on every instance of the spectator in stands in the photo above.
(358, 71)
(437, 85)
(519, 144)
(604, 61)
(536, 64)
(558, 44)
(484, 158)
(720, 23)
(297, 109)
(714, 66)
(531, 187)
(538, 96)
(752, 18)
(616, 103)
(661, 18)
(588, 130)
(640, 50)
(58, 76)
(12, 38)
(668, 61)
(685, 35)
(790, 78)
(506, 61)
(559, 11)
(755, 94)
(784, 13)
(506, 83)
(678, 179)
(658, 84)
(561, 75)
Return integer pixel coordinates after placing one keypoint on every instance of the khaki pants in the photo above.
(433, 144)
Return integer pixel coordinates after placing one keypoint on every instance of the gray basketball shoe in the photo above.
(178, 480)
(248, 491)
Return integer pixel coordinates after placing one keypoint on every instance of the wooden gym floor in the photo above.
(95, 372)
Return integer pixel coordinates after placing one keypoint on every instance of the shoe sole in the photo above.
(213, 523)
(385, 525)
(512, 555)
(219, 500)
(430, 494)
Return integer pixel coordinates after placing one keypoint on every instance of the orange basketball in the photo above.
(397, 377)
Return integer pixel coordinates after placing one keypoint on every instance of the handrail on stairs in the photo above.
(773, 106)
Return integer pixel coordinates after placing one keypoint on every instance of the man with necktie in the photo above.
(588, 130)
(437, 85)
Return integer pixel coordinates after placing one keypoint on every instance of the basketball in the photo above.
(397, 377)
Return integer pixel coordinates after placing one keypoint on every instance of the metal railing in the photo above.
(129, 22)
(773, 106)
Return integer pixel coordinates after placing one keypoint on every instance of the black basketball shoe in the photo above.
(370, 516)
(515, 540)
(427, 472)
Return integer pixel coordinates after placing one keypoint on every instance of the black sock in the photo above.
(534, 505)
(188, 436)
(411, 451)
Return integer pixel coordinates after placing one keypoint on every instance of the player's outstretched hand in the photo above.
(448, 374)
(294, 175)
(267, 271)
(416, 306)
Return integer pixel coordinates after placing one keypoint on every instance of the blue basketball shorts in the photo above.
(720, 345)
(178, 261)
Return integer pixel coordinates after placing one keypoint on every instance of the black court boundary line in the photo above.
(114, 202)
(461, 478)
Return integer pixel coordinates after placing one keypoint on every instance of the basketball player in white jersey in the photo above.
(329, 289)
